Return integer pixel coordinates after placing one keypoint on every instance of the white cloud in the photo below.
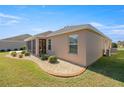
(9, 22)
(118, 32)
(118, 26)
(110, 29)
(6, 19)
(97, 24)
(9, 16)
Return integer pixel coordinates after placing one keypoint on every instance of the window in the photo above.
(49, 44)
(73, 41)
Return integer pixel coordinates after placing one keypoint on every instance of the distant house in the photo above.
(120, 43)
(80, 44)
(13, 43)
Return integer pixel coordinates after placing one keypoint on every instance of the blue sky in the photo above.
(16, 20)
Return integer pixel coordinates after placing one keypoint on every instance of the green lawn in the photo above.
(108, 71)
(121, 48)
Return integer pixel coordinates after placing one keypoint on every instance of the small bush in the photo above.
(21, 56)
(15, 49)
(23, 48)
(44, 56)
(2, 50)
(27, 54)
(23, 52)
(114, 45)
(52, 59)
(14, 54)
(8, 49)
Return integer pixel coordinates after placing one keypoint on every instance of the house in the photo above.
(120, 44)
(13, 43)
(80, 44)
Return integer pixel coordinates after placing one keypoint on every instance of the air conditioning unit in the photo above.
(107, 52)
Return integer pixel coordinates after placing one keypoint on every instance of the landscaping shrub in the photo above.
(23, 48)
(20, 55)
(23, 52)
(114, 45)
(15, 49)
(52, 59)
(2, 50)
(14, 54)
(27, 54)
(44, 56)
(8, 49)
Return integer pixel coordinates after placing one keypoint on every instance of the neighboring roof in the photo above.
(40, 35)
(10, 41)
(16, 38)
(68, 29)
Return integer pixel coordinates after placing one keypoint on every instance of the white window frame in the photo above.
(73, 44)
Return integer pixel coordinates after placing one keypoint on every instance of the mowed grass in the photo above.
(120, 48)
(107, 71)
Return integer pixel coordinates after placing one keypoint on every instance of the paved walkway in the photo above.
(61, 69)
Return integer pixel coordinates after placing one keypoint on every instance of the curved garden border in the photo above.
(52, 72)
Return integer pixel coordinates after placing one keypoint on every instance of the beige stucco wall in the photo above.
(60, 47)
(95, 44)
(90, 47)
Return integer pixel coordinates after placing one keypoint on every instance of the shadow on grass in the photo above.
(112, 67)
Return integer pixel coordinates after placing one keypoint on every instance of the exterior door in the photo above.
(42, 46)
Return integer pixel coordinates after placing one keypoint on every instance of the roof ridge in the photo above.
(73, 27)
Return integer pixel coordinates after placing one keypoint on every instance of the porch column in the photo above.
(37, 47)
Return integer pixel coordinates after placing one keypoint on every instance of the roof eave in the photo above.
(87, 26)
(34, 37)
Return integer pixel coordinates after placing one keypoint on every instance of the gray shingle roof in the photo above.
(18, 38)
(40, 35)
(68, 29)
(44, 34)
